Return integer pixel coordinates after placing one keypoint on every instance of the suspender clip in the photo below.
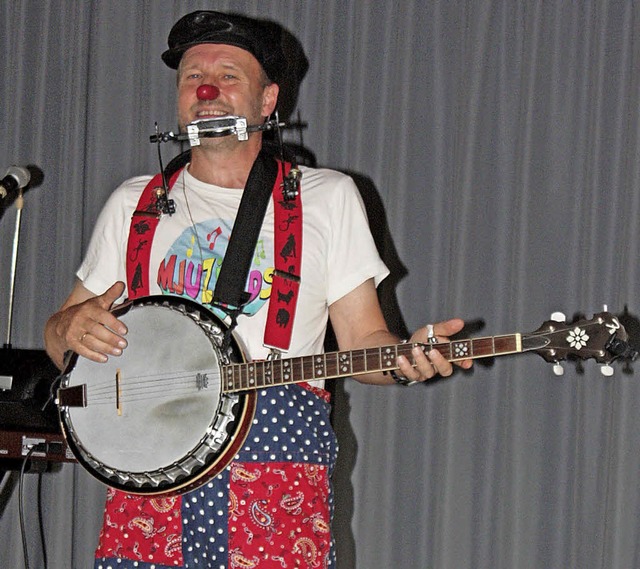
(286, 276)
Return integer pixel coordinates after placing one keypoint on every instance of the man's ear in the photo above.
(269, 99)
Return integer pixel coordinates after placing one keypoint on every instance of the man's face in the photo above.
(238, 75)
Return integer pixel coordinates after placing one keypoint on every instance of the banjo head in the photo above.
(155, 420)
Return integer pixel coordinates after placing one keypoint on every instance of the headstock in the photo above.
(602, 338)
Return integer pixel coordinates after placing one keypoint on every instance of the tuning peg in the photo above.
(558, 369)
(606, 370)
(558, 317)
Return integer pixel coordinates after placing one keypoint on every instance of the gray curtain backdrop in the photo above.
(497, 147)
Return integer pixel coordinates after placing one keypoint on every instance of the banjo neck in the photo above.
(333, 365)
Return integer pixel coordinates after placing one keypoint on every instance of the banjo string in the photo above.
(150, 387)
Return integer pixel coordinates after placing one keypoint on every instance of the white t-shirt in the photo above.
(338, 251)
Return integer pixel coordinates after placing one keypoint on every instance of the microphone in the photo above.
(15, 179)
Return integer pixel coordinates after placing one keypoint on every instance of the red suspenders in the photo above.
(287, 255)
(144, 223)
(287, 248)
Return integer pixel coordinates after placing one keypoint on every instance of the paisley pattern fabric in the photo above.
(279, 515)
(271, 507)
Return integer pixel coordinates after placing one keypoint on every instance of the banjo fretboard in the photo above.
(333, 365)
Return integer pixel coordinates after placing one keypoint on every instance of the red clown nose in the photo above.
(207, 92)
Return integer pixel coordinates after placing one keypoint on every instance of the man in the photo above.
(268, 508)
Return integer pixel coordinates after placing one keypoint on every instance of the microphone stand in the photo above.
(14, 263)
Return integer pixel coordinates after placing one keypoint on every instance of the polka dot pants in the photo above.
(271, 507)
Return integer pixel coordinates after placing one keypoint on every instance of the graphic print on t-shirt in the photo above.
(191, 266)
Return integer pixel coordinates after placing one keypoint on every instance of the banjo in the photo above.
(174, 409)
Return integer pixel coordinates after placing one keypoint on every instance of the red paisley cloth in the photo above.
(146, 529)
(279, 515)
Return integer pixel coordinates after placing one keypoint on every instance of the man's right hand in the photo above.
(85, 325)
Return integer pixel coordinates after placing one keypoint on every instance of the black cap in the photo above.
(261, 38)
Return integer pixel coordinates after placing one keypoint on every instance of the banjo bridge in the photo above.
(118, 392)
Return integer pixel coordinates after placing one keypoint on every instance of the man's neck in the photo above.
(223, 166)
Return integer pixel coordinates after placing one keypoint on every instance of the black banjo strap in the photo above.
(229, 292)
